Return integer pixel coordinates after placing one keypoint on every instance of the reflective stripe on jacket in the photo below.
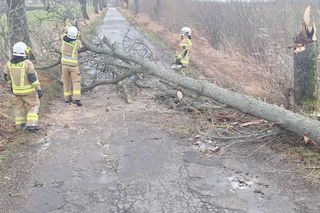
(70, 53)
(19, 80)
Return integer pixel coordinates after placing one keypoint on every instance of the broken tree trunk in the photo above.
(83, 4)
(305, 75)
(284, 118)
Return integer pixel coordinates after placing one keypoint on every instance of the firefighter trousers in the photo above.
(71, 79)
(27, 110)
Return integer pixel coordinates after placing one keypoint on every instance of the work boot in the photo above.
(176, 67)
(33, 128)
(21, 127)
(77, 102)
(69, 101)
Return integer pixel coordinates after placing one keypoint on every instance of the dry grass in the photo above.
(235, 72)
(255, 36)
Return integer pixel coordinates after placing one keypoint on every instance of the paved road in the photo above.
(112, 157)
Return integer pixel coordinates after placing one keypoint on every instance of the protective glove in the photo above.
(40, 93)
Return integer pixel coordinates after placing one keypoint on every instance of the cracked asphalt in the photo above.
(112, 157)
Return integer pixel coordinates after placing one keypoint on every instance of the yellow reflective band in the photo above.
(28, 50)
(77, 92)
(69, 60)
(18, 91)
(20, 120)
(36, 83)
(32, 117)
(67, 93)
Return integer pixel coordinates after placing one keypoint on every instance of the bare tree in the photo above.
(136, 7)
(157, 9)
(84, 9)
(126, 4)
(96, 5)
(17, 21)
(46, 4)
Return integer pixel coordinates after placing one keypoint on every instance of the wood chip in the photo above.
(254, 122)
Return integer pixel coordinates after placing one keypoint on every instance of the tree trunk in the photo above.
(305, 75)
(157, 10)
(96, 6)
(284, 118)
(84, 9)
(17, 22)
(104, 3)
(101, 5)
(126, 4)
(136, 7)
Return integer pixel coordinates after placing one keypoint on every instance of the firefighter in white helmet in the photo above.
(182, 57)
(21, 76)
(70, 66)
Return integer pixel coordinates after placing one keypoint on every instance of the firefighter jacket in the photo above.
(69, 50)
(183, 51)
(22, 77)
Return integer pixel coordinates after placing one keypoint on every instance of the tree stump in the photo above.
(305, 75)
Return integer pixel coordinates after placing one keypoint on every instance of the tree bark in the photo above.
(46, 4)
(286, 119)
(157, 10)
(126, 4)
(305, 75)
(84, 9)
(96, 6)
(136, 7)
(17, 22)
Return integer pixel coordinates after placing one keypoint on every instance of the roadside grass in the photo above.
(38, 15)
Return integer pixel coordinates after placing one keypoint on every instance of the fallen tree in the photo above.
(286, 119)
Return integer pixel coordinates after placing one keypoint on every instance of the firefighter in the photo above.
(70, 66)
(20, 74)
(183, 50)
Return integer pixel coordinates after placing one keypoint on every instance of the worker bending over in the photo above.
(70, 66)
(182, 57)
(21, 76)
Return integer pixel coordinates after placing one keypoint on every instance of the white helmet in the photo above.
(19, 49)
(186, 31)
(72, 32)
